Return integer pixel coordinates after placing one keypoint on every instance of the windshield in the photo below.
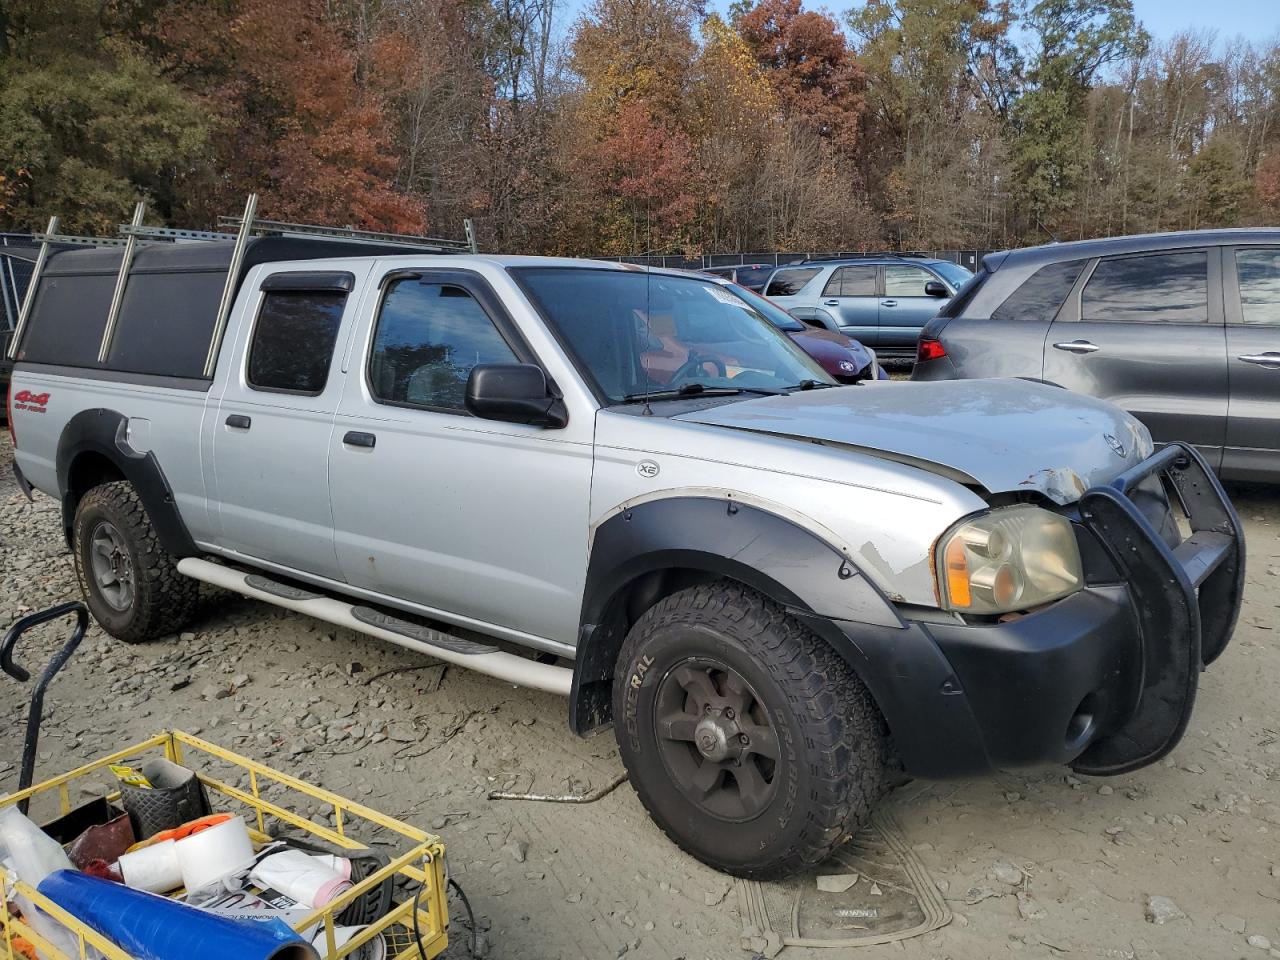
(636, 333)
(953, 273)
(769, 310)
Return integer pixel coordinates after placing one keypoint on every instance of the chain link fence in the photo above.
(966, 258)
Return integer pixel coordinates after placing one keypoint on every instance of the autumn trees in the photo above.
(87, 121)
(637, 126)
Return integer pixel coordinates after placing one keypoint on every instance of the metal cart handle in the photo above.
(35, 714)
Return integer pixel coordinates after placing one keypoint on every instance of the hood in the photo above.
(832, 349)
(1003, 435)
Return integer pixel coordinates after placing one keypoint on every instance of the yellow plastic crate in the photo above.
(418, 857)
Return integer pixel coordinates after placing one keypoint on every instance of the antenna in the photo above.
(648, 334)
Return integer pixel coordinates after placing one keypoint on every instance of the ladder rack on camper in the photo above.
(237, 230)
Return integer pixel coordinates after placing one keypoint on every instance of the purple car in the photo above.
(844, 358)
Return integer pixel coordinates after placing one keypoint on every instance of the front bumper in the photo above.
(1104, 679)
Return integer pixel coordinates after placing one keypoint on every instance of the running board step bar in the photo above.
(363, 619)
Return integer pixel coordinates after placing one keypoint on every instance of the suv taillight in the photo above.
(929, 349)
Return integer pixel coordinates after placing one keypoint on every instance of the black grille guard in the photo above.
(1186, 599)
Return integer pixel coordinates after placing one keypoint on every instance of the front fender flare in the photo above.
(721, 537)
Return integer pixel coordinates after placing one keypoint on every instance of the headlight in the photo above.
(1009, 559)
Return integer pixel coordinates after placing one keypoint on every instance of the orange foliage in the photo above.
(651, 173)
(1266, 184)
(297, 125)
(814, 73)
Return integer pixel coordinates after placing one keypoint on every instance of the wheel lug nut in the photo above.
(743, 739)
(728, 712)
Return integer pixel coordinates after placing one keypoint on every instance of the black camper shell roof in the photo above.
(170, 304)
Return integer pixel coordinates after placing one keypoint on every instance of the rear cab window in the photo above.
(787, 283)
(293, 341)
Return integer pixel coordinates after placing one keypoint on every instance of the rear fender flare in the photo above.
(718, 536)
(104, 433)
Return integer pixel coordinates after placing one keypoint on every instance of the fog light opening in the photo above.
(1083, 723)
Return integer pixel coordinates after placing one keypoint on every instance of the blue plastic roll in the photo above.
(151, 927)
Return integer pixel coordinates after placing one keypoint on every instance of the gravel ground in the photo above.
(387, 727)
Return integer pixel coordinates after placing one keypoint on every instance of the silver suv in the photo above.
(1180, 329)
(881, 301)
(629, 488)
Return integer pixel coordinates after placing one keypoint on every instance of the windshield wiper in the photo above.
(809, 385)
(695, 389)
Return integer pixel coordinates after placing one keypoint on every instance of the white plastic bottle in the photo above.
(33, 855)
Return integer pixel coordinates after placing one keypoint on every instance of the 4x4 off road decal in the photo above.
(32, 402)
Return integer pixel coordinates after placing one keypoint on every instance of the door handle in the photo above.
(831, 303)
(355, 438)
(1270, 360)
(239, 421)
(888, 303)
(1077, 346)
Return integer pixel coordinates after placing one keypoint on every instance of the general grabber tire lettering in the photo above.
(129, 581)
(750, 742)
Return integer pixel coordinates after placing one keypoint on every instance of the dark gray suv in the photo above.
(1180, 329)
(882, 301)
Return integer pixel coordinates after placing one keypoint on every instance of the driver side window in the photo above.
(429, 336)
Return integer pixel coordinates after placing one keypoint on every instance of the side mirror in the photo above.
(936, 288)
(513, 393)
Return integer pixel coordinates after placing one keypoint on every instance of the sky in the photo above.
(1254, 19)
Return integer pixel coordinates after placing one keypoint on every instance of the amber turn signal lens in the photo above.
(957, 574)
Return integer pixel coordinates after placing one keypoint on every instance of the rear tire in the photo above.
(750, 742)
(130, 582)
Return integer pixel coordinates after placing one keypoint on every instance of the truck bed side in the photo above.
(164, 420)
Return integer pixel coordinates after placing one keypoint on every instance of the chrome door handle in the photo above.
(888, 303)
(1270, 360)
(831, 303)
(1076, 346)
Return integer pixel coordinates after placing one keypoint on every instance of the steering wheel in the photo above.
(694, 368)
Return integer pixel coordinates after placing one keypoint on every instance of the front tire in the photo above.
(749, 741)
(130, 582)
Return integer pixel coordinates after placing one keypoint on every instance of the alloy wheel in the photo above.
(111, 566)
(716, 739)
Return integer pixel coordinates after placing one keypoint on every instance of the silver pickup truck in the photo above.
(628, 487)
